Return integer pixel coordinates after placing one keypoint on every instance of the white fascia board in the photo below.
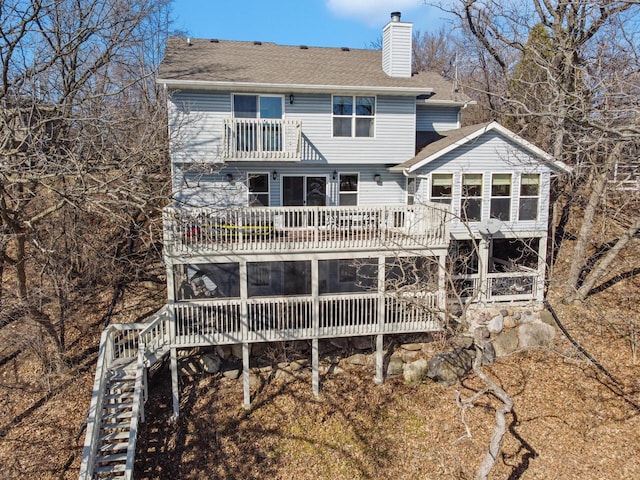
(445, 103)
(286, 87)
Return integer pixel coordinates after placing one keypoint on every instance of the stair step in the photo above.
(108, 437)
(117, 415)
(112, 447)
(118, 396)
(106, 469)
(112, 458)
(119, 405)
(115, 425)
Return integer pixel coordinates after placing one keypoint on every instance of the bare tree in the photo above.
(564, 75)
(82, 149)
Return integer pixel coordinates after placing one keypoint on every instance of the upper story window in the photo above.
(348, 189)
(251, 136)
(258, 189)
(471, 200)
(529, 194)
(441, 187)
(353, 116)
(501, 196)
(257, 106)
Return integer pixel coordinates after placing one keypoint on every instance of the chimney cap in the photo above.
(395, 16)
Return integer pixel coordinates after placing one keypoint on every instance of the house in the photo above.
(328, 192)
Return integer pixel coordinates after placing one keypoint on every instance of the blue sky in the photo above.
(329, 23)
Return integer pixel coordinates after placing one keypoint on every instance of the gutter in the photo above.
(286, 87)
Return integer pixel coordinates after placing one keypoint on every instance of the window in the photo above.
(529, 193)
(441, 187)
(209, 280)
(471, 206)
(251, 135)
(349, 275)
(348, 189)
(267, 279)
(353, 116)
(258, 189)
(411, 190)
(501, 196)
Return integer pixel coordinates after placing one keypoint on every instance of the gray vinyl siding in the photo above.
(393, 142)
(212, 189)
(195, 125)
(488, 154)
(430, 118)
(196, 119)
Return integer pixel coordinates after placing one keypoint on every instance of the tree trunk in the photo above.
(603, 267)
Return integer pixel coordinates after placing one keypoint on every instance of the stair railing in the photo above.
(89, 451)
(137, 413)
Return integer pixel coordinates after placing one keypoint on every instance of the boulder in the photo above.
(236, 350)
(223, 351)
(448, 368)
(339, 343)
(411, 347)
(415, 371)
(496, 324)
(506, 343)
(360, 359)
(210, 363)
(546, 317)
(395, 366)
(534, 335)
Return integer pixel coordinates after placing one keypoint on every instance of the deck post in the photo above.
(245, 376)
(379, 379)
(315, 374)
(174, 382)
(538, 293)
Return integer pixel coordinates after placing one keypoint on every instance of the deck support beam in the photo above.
(175, 389)
(379, 378)
(245, 376)
(315, 372)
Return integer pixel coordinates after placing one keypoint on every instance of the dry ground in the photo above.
(570, 421)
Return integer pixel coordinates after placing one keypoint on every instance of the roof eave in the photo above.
(445, 103)
(288, 87)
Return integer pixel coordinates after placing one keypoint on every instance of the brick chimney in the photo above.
(396, 47)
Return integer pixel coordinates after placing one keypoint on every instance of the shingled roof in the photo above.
(217, 64)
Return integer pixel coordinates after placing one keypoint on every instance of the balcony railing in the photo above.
(282, 229)
(261, 139)
(221, 321)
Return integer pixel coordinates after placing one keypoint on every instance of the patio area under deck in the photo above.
(198, 231)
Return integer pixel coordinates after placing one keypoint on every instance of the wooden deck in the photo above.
(200, 231)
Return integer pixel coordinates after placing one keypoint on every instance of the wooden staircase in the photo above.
(115, 422)
(119, 393)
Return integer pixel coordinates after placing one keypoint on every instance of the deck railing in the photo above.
(264, 139)
(268, 319)
(281, 229)
(500, 287)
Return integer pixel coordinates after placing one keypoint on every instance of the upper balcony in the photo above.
(198, 231)
(261, 139)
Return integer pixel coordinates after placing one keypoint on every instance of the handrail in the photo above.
(95, 409)
(136, 412)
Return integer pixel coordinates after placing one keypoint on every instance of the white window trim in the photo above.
(510, 196)
(268, 192)
(481, 197)
(538, 196)
(353, 116)
(453, 181)
(248, 94)
(357, 192)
